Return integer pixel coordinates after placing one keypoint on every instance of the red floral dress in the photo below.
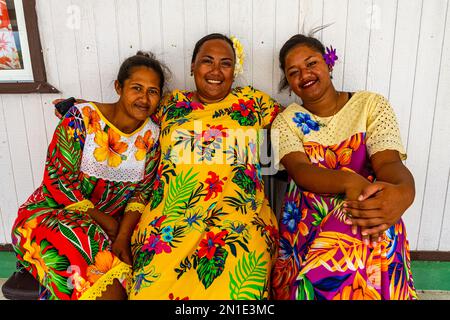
(90, 163)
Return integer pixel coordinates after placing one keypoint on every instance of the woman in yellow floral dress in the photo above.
(208, 231)
(99, 168)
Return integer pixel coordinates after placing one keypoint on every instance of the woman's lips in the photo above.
(308, 84)
(211, 81)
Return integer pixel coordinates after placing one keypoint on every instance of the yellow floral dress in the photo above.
(208, 231)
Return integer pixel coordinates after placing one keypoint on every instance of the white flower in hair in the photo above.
(240, 55)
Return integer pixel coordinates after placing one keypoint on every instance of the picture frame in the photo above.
(22, 68)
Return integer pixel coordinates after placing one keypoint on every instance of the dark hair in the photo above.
(143, 59)
(211, 36)
(293, 42)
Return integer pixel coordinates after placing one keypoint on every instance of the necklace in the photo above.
(335, 109)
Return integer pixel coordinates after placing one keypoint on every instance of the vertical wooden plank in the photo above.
(423, 106)
(382, 36)
(195, 27)
(150, 26)
(217, 16)
(2, 229)
(286, 25)
(335, 13)
(66, 18)
(263, 44)
(311, 17)
(107, 43)
(86, 47)
(8, 196)
(173, 39)
(45, 21)
(36, 135)
(127, 28)
(357, 49)
(241, 26)
(404, 61)
(19, 146)
(439, 155)
(444, 240)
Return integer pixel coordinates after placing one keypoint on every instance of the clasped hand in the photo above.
(379, 206)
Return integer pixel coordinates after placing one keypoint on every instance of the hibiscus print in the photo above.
(143, 145)
(244, 112)
(214, 185)
(305, 123)
(91, 120)
(156, 245)
(110, 148)
(209, 245)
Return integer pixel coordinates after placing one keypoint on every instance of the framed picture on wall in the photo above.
(22, 68)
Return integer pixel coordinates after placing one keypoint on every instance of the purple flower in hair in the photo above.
(330, 56)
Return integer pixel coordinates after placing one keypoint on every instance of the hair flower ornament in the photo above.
(330, 57)
(240, 55)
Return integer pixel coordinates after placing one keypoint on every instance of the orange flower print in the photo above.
(143, 145)
(314, 151)
(355, 141)
(330, 159)
(110, 148)
(345, 156)
(359, 290)
(91, 120)
(33, 256)
(104, 261)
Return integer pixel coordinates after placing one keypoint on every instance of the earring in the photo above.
(290, 93)
(192, 73)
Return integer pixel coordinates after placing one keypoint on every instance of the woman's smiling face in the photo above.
(213, 70)
(307, 73)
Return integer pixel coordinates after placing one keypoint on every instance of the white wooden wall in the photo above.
(399, 48)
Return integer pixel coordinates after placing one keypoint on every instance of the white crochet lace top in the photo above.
(111, 154)
(365, 112)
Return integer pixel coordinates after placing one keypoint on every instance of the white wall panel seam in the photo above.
(393, 49)
(415, 75)
(443, 211)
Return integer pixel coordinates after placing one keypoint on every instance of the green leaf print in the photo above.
(67, 192)
(93, 244)
(88, 185)
(54, 261)
(70, 154)
(73, 238)
(305, 290)
(249, 120)
(322, 210)
(177, 112)
(242, 202)
(244, 181)
(179, 192)
(157, 195)
(209, 270)
(249, 277)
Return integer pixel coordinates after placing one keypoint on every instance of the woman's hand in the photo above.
(109, 224)
(379, 206)
(354, 185)
(56, 101)
(359, 189)
(121, 247)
